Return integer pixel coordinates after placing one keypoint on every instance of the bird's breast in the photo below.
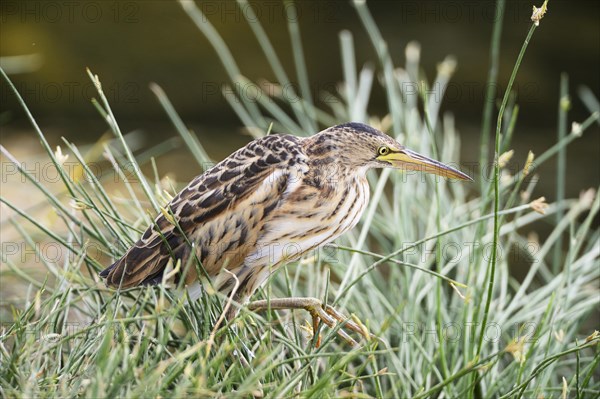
(309, 217)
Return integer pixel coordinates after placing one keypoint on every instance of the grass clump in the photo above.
(427, 269)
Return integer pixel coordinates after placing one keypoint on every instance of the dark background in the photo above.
(132, 43)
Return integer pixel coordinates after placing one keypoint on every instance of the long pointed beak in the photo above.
(410, 160)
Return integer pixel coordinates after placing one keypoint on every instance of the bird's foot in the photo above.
(319, 312)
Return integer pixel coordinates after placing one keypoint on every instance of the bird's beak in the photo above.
(409, 160)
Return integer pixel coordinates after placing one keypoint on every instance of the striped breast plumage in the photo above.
(311, 216)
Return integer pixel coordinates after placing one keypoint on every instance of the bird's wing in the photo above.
(220, 211)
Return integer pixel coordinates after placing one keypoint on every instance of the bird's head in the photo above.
(360, 146)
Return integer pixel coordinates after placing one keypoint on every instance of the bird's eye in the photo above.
(383, 150)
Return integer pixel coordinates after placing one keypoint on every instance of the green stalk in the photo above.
(488, 108)
(575, 134)
(561, 167)
(400, 263)
(577, 371)
(349, 69)
(494, 257)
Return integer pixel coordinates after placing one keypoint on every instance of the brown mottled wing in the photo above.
(221, 211)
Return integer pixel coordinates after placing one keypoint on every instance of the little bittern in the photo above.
(265, 205)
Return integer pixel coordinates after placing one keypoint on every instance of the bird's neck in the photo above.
(334, 174)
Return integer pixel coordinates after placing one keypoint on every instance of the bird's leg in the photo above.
(319, 311)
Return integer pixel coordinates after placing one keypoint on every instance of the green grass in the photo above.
(428, 269)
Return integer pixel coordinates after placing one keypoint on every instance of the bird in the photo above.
(264, 206)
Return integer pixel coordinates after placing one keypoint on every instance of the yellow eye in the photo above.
(383, 150)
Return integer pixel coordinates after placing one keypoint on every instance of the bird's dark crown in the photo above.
(358, 127)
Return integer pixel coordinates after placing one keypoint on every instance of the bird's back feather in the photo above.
(221, 213)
